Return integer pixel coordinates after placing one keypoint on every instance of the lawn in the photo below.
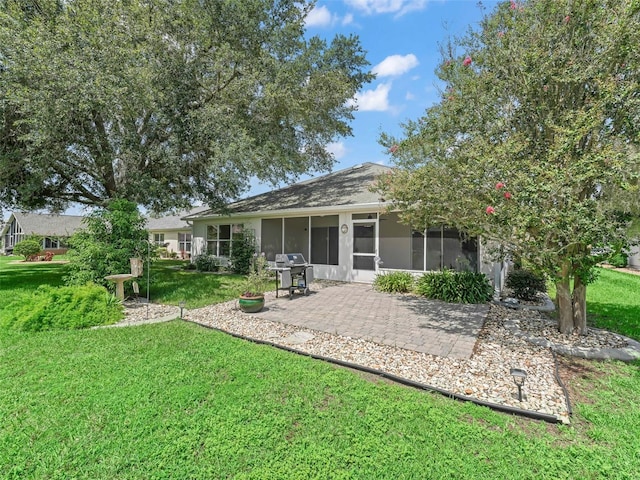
(176, 400)
(613, 302)
(170, 284)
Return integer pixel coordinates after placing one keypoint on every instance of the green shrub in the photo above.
(618, 260)
(112, 235)
(394, 282)
(63, 308)
(525, 284)
(206, 263)
(455, 287)
(242, 252)
(27, 248)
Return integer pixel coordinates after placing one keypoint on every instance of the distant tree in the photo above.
(535, 134)
(111, 236)
(162, 103)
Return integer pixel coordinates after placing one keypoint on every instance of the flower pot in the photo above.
(251, 304)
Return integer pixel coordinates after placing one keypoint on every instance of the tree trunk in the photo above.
(579, 297)
(565, 303)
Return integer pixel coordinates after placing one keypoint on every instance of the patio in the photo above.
(356, 310)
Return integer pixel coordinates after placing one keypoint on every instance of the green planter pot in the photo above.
(251, 304)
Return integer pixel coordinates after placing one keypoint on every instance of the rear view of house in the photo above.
(340, 226)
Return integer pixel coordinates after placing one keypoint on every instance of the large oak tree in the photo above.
(165, 101)
(533, 143)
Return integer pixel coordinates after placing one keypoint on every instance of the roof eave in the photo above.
(290, 212)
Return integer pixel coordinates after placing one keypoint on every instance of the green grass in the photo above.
(170, 284)
(613, 302)
(178, 401)
(18, 277)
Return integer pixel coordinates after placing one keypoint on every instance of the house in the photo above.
(340, 226)
(53, 229)
(172, 233)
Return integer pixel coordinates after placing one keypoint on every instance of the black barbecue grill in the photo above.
(292, 273)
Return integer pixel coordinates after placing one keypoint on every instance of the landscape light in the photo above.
(519, 377)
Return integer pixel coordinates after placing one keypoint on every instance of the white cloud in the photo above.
(373, 100)
(338, 149)
(395, 65)
(399, 7)
(322, 17)
(319, 17)
(410, 96)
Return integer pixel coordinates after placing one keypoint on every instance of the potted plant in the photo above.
(258, 281)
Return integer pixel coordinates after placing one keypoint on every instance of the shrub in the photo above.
(112, 236)
(259, 279)
(63, 308)
(394, 282)
(242, 252)
(27, 248)
(206, 263)
(525, 284)
(618, 260)
(455, 287)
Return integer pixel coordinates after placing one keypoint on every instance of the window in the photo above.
(51, 243)
(394, 246)
(184, 242)
(417, 250)
(436, 248)
(296, 236)
(219, 239)
(448, 248)
(158, 239)
(324, 240)
(271, 238)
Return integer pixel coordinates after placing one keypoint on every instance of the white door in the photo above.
(365, 250)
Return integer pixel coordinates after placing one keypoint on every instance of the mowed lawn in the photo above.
(176, 400)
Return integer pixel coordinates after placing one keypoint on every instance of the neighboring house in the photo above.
(172, 233)
(53, 229)
(339, 226)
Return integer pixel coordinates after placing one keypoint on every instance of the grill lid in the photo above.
(290, 259)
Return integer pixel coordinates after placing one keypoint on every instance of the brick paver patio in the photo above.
(357, 310)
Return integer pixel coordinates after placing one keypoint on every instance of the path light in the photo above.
(519, 377)
(181, 304)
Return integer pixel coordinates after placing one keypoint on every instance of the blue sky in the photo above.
(401, 38)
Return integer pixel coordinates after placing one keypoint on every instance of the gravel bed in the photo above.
(485, 376)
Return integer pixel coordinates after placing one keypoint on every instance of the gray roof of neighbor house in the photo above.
(172, 222)
(47, 225)
(344, 187)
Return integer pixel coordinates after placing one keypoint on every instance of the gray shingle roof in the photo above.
(344, 187)
(172, 222)
(48, 225)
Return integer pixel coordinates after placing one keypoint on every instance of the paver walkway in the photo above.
(357, 310)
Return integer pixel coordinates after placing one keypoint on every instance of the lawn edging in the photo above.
(403, 381)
